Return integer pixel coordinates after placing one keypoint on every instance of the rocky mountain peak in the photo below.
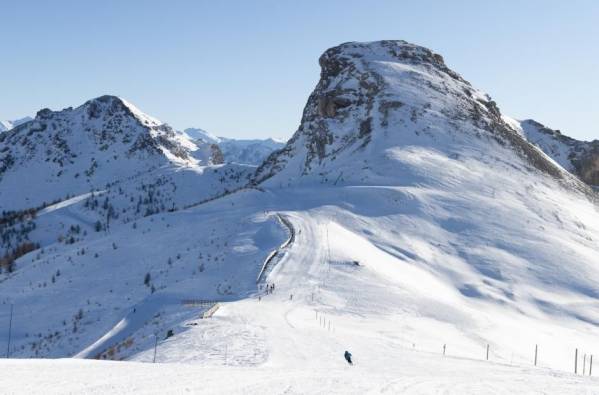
(374, 96)
(337, 59)
(104, 139)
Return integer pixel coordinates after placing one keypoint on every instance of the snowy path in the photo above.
(277, 254)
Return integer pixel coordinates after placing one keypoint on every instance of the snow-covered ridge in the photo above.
(201, 134)
(75, 150)
(578, 157)
(243, 151)
(7, 125)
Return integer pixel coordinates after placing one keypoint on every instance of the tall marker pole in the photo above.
(155, 346)
(9, 332)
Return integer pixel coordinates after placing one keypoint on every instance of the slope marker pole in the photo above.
(591, 365)
(9, 332)
(576, 361)
(487, 351)
(155, 346)
(536, 353)
(584, 364)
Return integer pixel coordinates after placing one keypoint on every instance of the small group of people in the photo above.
(270, 288)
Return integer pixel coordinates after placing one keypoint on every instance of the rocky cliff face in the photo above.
(374, 96)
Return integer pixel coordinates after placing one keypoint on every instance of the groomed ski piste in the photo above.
(337, 288)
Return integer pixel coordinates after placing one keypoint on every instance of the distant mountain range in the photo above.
(246, 151)
(7, 125)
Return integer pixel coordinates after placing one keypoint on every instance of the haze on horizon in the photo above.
(244, 70)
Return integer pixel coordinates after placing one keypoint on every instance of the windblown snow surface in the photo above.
(408, 219)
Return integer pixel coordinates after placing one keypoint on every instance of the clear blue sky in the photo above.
(246, 68)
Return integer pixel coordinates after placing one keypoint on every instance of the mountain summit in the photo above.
(75, 150)
(375, 96)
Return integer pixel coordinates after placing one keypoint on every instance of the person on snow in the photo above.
(347, 356)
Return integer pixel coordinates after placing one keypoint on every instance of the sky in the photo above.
(245, 68)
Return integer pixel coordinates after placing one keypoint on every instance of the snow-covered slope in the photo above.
(7, 125)
(410, 373)
(102, 164)
(579, 157)
(249, 152)
(406, 218)
(69, 152)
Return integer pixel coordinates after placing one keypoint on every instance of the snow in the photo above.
(8, 125)
(427, 228)
(74, 151)
(145, 118)
(68, 202)
(242, 151)
(558, 150)
(201, 134)
(406, 372)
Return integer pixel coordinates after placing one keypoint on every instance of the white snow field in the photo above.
(409, 220)
(397, 371)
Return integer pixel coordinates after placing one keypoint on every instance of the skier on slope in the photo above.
(347, 356)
